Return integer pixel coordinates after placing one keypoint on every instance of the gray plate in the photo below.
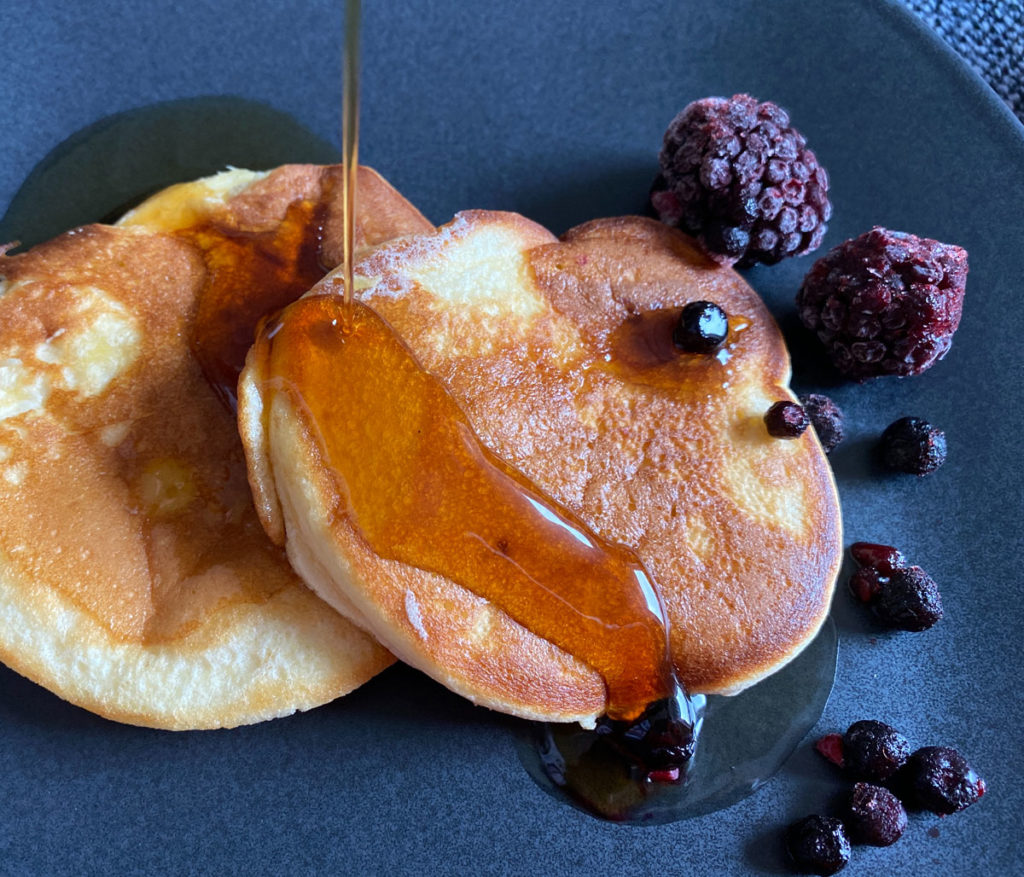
(556, 110)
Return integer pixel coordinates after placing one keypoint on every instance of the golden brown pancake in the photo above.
(560, 355)
(135, 579)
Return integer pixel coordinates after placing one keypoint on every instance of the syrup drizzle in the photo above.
(350, 147)
(422, 489)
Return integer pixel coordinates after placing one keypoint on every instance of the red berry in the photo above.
(866, 583)
(884, 558)
(831, 746)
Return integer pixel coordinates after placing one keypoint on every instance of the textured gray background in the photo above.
(989, 35)
(556, 110)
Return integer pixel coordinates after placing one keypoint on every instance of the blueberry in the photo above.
(874, 751)
(786, 420)
(818, 845)
(876, 816)
(914, 446)
(702, 328)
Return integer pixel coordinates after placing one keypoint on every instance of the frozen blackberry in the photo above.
(875, 816)
(818, 845)
(909, 599)
(826, 418)
(740, 179)
(786, 420)
(702, 328)
(885, 303)
(874, 751)
(914, 446)
(939, 779)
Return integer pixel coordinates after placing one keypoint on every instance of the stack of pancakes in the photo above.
(136, 579)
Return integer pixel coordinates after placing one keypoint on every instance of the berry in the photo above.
(738, 177)
(908, 600)
(818, 845)
(866, 583)
(786, 420)
(702, 328)
(826, 418)
(883, 558)
(875, 816)
(885, 303)
(874, 751)
(660, 741)
(913, 445)
(831, 746)
(939, 779)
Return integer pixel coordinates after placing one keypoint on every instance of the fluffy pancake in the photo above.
(559, 353)
(135, 579)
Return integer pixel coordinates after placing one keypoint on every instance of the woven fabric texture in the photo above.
(989, 34)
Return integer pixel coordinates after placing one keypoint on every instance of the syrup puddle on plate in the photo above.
(109, 167)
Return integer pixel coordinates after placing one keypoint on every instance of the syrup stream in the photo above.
(350, 146)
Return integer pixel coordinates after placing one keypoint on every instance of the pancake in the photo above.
(135, 579)
(559, 353)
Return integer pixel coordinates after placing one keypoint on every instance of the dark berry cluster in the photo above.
(889, 778)
(737, 176)
(885, 303)
(902, 597)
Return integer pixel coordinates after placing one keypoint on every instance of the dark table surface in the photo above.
(556, 110)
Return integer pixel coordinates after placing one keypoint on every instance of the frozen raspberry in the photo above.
(885, 303)
(907, 600)
(874, 751)
(786, 420)
(702, 328)
(826, 418)
(914, 446)
(939, 779)
(737, 176)
(818, 845)
(876, 816)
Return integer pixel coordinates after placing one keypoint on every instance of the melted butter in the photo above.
(419, 486)
(250, 275)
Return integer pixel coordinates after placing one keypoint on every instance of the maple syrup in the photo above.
(422, 489)
(350, 146)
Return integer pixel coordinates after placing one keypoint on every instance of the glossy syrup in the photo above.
(422, 489)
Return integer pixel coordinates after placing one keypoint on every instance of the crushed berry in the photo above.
(786, 420)
(736, 175)
(938, 778)
(826, 418)
(875, 816)
(702, 328)
(883, 558)
(909, 599)
(885, 303)
(660, 740)
(831, 746)
(874, 751)
(866, 583)
(818, 845)
(913, 445)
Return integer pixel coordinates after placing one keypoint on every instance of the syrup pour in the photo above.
(350, 146)
(422, 489)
